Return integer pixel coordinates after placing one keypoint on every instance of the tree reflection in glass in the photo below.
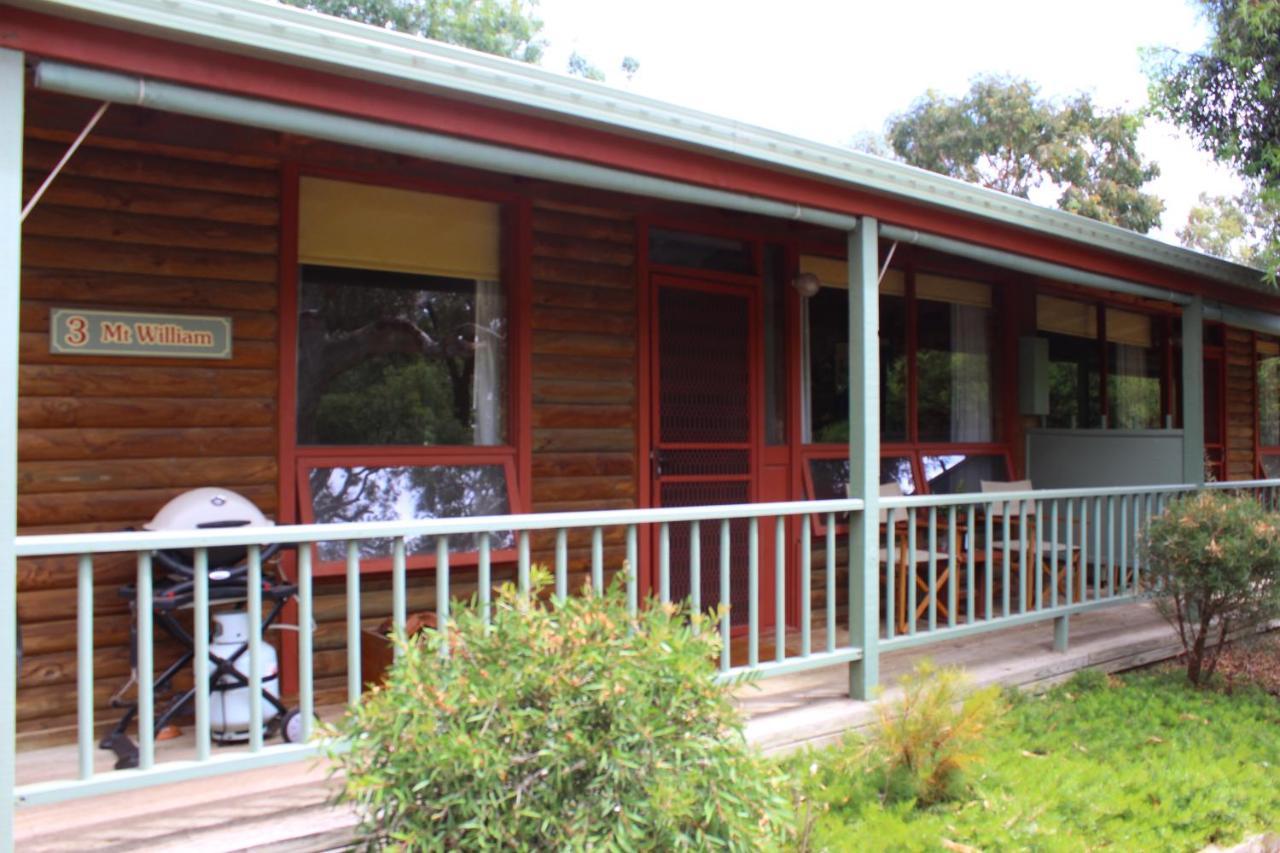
(368, 493)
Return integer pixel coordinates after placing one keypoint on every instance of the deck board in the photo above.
(286, 809)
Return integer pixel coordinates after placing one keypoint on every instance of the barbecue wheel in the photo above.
(291, 726)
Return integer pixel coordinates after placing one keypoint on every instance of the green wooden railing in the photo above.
(950, 565)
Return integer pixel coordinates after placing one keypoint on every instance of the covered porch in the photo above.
(287, 808)
(874, 413)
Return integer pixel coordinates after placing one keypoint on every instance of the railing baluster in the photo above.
(146, 665)
(953, 567)
(1083, 581)
(1141, 512)
(1111, 545)
(725, 600)
(1022, 556)
(1124, 544)
(780, 587)
(1006, 564)
(633, 573)
(970, 549)
(597, 560)
(890, 571)
(1037, 562)
(442, 593)
(695, 568)
(913, 573)
(399, 593)
(522, 563)
(753, 592)
(1070, 554)
(1097, 548)
(306, 661)
(933, 568)
(664, 562)
(562, 563)
(353, 622)
(84, 664)
(988, 593)
(1053, 553)
(253, 606)
(200, 658)
(485, 579)
(831, 581)
(806, 588)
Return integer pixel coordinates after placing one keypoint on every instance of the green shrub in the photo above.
(926, 739)
(1212, 564)
(563, 725)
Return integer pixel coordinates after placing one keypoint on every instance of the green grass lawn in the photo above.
(1142, 762)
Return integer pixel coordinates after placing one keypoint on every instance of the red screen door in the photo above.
(704, 426)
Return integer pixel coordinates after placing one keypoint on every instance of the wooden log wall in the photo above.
(1241, 416)
(105, 442)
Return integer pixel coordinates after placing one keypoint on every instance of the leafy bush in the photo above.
(1212, 564)
(563, 725)
(928, 738)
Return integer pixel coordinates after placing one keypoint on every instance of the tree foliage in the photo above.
(1227, 95)
(1003, 135)
(502, 27)
(1230, 227)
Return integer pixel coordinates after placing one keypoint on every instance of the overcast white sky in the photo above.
(827, 70)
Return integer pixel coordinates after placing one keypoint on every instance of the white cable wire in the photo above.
(65, 157)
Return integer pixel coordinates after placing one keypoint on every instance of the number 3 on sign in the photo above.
(77, 334)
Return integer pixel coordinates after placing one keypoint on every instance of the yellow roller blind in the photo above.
(955, 290)
(1127, 327)
(1066, 316)
(833, 272)
(347, 224)
(1268, 347)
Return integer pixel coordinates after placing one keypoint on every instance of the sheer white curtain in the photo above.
(490, 358)
(970, 375)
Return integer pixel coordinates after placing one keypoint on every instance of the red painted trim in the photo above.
(286, 400)
(60, 38)
(518, 274)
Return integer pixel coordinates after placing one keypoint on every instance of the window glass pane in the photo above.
(395, 493)
(395, 358)
(700, 251)
(1271, 467)
(1268, 394)
(1213, 401)
(775, 345)
(831, 476)
(955, 368)
(829, 363)
(1133, 371)
(956, 473)
(1075, 373)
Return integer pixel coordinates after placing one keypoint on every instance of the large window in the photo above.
(401, 344)
(1106, 364)
(939, 382)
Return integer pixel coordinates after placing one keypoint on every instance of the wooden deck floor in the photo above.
(285, 808)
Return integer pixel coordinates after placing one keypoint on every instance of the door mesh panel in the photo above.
(705, 368)
(710, 494)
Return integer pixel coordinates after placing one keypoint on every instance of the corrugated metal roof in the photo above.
(297, 37)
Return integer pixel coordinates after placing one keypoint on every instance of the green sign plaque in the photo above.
(77, 331)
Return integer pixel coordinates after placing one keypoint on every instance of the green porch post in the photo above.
(11, 102)
(1193, 392)
(864, 455)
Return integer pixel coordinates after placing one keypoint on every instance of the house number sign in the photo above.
(76, 331)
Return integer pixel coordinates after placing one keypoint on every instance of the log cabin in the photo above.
(467, 316)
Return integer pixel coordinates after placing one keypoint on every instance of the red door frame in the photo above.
(739, 286)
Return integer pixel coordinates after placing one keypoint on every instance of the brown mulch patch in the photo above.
(1254, 661)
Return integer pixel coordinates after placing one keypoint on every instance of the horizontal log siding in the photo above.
(1241, 418)
(584, 372)
(104, 442)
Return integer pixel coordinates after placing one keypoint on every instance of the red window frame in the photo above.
(1260, 450)
(515, 454)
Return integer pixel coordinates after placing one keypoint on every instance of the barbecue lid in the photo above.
(207, 507)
